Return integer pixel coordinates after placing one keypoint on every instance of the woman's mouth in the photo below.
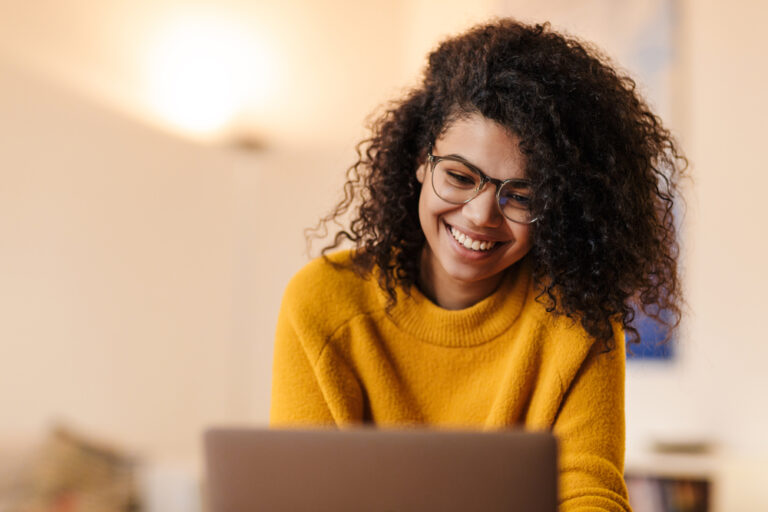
(469, 242)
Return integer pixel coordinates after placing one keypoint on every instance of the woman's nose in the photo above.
(483, 209)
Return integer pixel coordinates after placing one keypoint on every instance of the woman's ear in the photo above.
(421, 171)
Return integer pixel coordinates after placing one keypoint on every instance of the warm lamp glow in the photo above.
(202, 71)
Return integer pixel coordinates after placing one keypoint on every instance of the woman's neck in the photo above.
(448, 292)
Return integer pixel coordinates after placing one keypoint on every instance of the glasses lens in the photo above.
(455, 182)
(515, 201)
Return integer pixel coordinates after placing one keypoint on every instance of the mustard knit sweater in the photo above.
(341, 359)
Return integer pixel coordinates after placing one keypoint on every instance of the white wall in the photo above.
(116, 266)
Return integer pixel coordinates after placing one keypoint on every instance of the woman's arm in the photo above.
(312, 383)
(590, 427)
(296, 395)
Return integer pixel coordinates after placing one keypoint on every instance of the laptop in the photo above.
(380, 470)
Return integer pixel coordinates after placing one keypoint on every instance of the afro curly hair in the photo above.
(603, 168)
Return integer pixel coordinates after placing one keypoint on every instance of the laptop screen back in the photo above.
(380, 470)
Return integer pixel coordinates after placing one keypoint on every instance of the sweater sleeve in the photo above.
(314, 383)
(297, 398)
(590, 427)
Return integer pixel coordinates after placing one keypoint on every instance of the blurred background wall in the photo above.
(143, 252)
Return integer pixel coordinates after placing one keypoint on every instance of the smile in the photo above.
(470, 243)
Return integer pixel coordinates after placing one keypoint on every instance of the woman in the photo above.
(512, 213)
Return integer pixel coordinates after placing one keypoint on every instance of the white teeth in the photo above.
(467, 242)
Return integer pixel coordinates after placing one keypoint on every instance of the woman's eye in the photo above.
(515, 199)
(460, 178)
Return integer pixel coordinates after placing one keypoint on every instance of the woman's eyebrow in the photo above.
(461, 158)
(453, 155)
(467, 162)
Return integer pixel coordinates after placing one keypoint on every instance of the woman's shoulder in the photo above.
(324, 274)
(565, 338)
(330, 286)
(560, 333)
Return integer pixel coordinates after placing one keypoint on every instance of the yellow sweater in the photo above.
(342, 359)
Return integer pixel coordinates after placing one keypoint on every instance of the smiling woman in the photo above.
(510, 213)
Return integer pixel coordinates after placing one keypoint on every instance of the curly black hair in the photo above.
(604, 173)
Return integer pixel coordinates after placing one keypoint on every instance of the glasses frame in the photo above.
(484, 178)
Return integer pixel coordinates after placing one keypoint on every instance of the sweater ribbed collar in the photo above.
(475, 325)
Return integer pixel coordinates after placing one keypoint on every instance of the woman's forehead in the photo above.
(484, 143)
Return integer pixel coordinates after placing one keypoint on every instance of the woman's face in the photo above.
(496, 152)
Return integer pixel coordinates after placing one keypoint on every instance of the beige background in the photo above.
(141, 271)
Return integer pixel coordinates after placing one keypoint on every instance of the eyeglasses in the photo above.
(457, 181)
